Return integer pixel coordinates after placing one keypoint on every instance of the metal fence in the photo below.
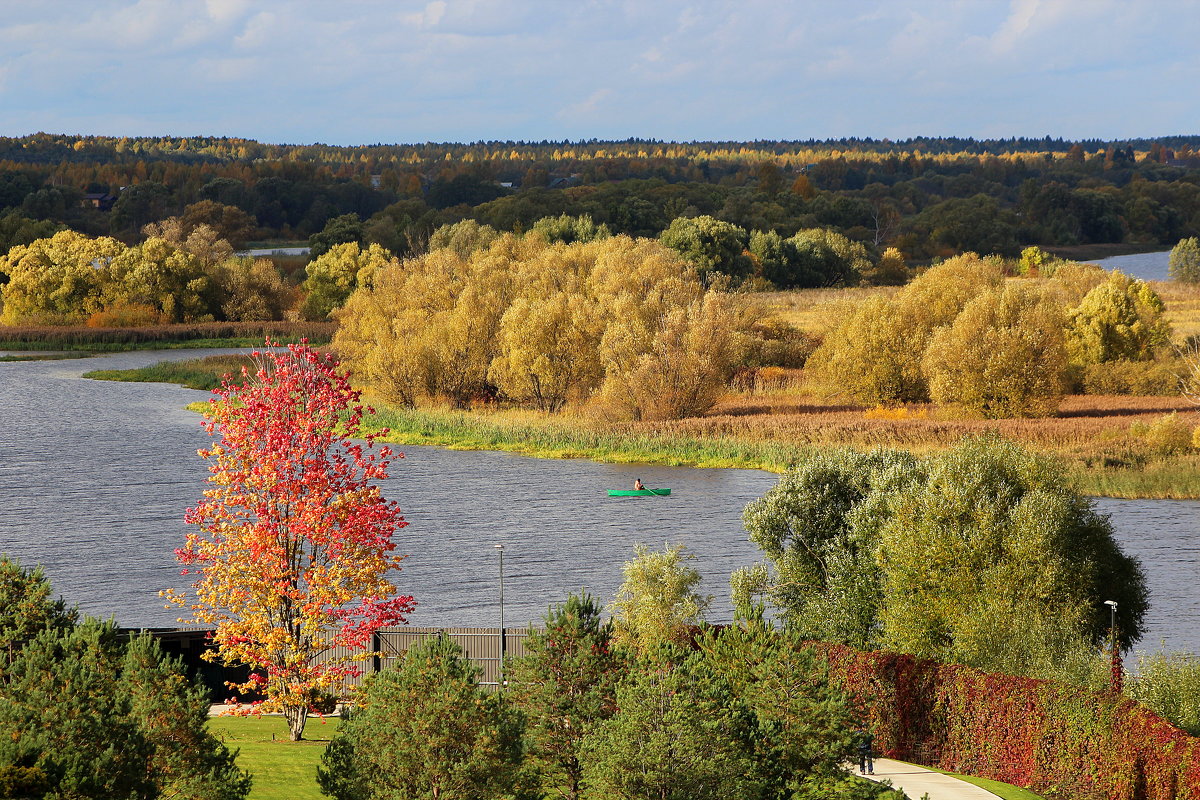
(481, 646)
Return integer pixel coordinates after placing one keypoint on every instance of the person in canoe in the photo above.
(638, 485)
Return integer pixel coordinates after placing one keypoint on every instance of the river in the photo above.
(1146, 266)
(95, 477)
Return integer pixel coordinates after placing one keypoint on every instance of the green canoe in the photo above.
(638, 492)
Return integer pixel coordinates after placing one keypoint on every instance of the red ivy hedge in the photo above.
(1056, 739)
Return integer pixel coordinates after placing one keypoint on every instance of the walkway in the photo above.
(917, 781)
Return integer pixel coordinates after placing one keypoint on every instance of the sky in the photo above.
(350, 72)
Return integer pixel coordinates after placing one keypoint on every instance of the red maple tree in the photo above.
(295, 542)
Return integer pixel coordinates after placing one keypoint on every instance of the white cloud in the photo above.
(586, 108)
(225, 10)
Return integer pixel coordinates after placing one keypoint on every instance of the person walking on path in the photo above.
(865, 742)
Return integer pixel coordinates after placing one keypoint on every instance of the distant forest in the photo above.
(927, 197)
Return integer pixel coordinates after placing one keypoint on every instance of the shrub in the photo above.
(464, 237)
(924, 554)
(1169, 685)
(544, 324)
(875, 355)
(1184, 263)
(1167, 435)
(658, 601)
(1131, 377)
(1002, 357)
(1121, 319)
(1053, 738)
(774, 343)
(124, 314)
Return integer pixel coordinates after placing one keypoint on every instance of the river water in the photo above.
(95, 477)
(1146, 266)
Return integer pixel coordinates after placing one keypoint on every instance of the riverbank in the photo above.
(1113, 464)
(83, 339)
(1119, 474)
(1105, 442)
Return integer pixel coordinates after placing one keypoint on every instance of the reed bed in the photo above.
(204, 374)
(201, 334)
(1097, 437)
(1099, 449)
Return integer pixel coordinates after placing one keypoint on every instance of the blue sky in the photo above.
(358, 72)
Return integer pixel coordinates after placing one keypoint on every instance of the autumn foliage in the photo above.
(294, 542)
(1059, 740)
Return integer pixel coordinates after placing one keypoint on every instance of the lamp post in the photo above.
(503, 643)
(1117, 676)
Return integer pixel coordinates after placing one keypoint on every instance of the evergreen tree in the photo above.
(680, 733)
(425, 730)
(83, 713)
(565, 685)
(811, 723)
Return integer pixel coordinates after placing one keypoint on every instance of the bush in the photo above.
(1184, 263)
(1168, 435)
(1131, 378)
(774, 343)
(1121, 319)
(1002, 357)
(544, 324)
(1169, 685)
(875, 355)
(1053, 738)
(924, 555)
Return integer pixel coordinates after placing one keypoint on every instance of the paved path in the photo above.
(917, 781)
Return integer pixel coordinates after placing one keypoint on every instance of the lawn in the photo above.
(283, 770)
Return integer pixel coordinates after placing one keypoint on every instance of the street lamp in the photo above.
(503, 643)
(1117, 675)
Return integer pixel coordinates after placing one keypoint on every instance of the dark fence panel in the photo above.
(482, 647)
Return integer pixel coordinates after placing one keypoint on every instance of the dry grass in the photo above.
(82, 337)
(1183, 307)
(818, 311)
(1084, 422)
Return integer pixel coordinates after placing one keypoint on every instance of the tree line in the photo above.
(926, 197)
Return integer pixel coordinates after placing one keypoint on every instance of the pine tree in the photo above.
(425, 730)
(565, 685)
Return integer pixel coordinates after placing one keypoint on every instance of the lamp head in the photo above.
(498, 546)
(1112, 603)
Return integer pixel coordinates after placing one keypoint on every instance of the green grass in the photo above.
(461, 431)
(283, 770)
(204, 373)
(47, 356)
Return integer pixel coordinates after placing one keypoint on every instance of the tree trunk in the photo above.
(296, 716)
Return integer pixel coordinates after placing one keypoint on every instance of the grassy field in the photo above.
(283, 770)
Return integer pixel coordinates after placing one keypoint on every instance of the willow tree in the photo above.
(294, 542)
